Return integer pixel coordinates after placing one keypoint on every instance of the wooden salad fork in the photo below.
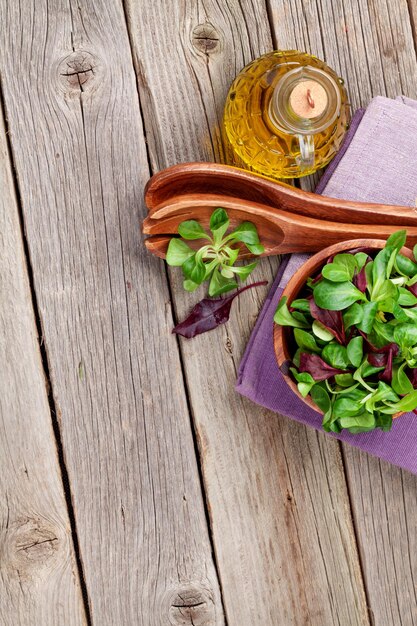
(224, 180)
(279, 231)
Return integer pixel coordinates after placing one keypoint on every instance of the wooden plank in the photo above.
(384, 500)
(371, 45)
(39, 581)
(276, 490)
(73, 110)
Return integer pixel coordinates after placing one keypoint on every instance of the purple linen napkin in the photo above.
(376, 164)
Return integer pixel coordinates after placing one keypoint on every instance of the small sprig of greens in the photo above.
(355, 332)
(214, 261)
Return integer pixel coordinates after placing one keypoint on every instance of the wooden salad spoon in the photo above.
(279, 231)
(214, 179)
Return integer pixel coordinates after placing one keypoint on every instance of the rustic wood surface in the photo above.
(74, 123)
(39, 582)
(188, 504)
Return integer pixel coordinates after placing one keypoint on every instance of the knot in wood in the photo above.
(205, 38)
(31, 546)
(78, 71)
(191, 605)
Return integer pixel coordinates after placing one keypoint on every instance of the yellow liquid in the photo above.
(253, 141)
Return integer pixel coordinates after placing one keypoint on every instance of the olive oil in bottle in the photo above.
(286, 115)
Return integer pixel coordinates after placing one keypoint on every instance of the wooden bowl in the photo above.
(283, 334)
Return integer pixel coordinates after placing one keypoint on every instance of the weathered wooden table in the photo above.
(137, 488)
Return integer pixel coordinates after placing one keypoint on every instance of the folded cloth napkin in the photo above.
(376, 164)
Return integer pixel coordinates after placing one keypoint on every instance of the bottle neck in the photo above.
(306, 100)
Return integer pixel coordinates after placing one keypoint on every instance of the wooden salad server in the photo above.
(279, 231)
(205, 179)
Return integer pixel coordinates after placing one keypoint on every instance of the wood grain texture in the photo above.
(216, 180)
(73, 111)
(384, 500)
(371, 45)
(38, 578)
(281, 232)
(276, 491)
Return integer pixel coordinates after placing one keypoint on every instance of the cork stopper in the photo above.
(308, 99)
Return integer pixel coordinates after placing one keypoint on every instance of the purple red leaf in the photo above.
(378, 359)
(371, 348)
(332, 320)
(316, 367)
(412, 375)
(413, 289)
(386, 375)
(359, 280)
(209, 313)
(381, 357)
